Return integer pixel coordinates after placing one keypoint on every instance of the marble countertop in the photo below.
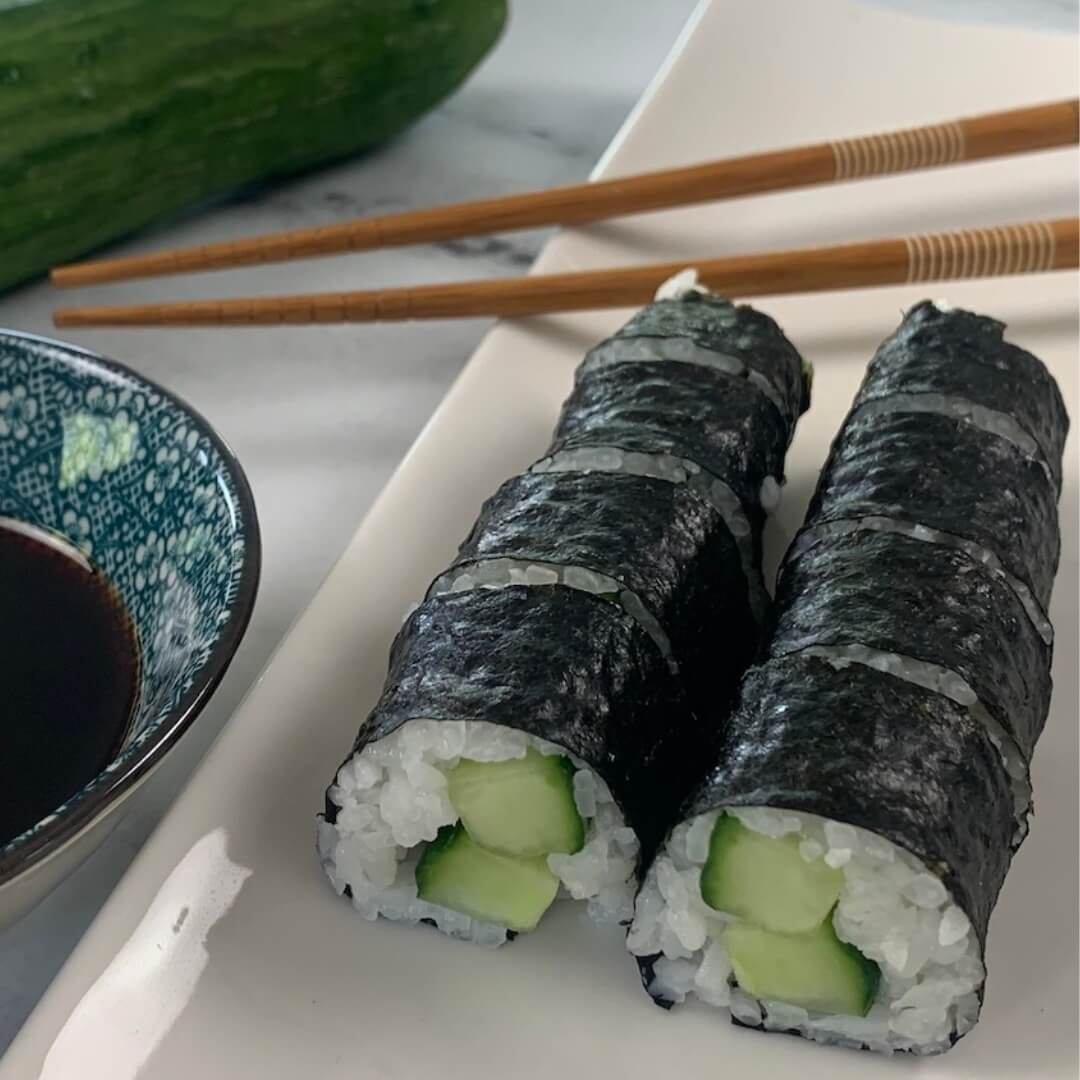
(320, 416)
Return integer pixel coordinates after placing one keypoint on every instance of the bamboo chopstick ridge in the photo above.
(1007, 249)
(1029, 248)
(990, 135)
(899, 151)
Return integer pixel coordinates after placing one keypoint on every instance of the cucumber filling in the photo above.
(766, 880)
(893, 965)
(492, 864)
(815, 970)
(782, 946)
(522, 807)
(516, 797)
(456, 872)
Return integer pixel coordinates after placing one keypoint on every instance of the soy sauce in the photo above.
(69, 673)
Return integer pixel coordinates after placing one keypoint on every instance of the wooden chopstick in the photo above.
(968, 253)
(996, 134)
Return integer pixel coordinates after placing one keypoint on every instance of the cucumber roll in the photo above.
(834, 872)
(606, 599)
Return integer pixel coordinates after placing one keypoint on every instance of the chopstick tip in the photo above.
(65, 317)
(64, 277)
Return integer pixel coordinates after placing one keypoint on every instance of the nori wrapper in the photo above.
(558, 663)
(575, 668)
(720, 326)
(960, 354)
(660, 540)
(723, 423)
(931, 470)
(901, 595)
(854, 744)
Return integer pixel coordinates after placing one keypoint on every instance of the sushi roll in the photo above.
(834, 872)
(603, 600)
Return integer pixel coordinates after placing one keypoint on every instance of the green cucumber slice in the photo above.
(815, 970)
(458, 873)
(765, 880)
(524, 806)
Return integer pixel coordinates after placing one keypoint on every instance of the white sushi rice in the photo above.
(613, 459)
(891, 908)
(500, 573)
(392, 800)
(944, 681)
(681, 285)
(770, 495)
(967, 412)
(976, 552)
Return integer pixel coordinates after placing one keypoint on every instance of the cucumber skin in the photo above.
(871, 974)
(116, 114)
(444, 838)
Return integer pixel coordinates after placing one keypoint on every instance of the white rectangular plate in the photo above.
(224, 953)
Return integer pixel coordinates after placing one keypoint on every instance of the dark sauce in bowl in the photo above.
(69, 674)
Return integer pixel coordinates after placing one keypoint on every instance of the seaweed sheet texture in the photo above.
(712, 324)
(656, 407)
(865, 746)
(660, 541)
(903, 596)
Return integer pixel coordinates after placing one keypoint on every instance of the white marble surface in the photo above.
(320, 416)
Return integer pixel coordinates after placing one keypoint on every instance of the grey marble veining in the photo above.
(320, 416)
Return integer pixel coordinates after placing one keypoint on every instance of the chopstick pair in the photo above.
(1007, 249)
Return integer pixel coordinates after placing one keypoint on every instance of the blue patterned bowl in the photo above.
(142, 484)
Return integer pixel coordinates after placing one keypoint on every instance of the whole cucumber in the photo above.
(114, 113)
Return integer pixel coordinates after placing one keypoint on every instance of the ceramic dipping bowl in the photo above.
(141, 483)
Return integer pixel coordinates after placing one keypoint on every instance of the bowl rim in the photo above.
(41, 842)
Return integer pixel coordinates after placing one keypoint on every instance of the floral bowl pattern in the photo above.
(142, 484)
